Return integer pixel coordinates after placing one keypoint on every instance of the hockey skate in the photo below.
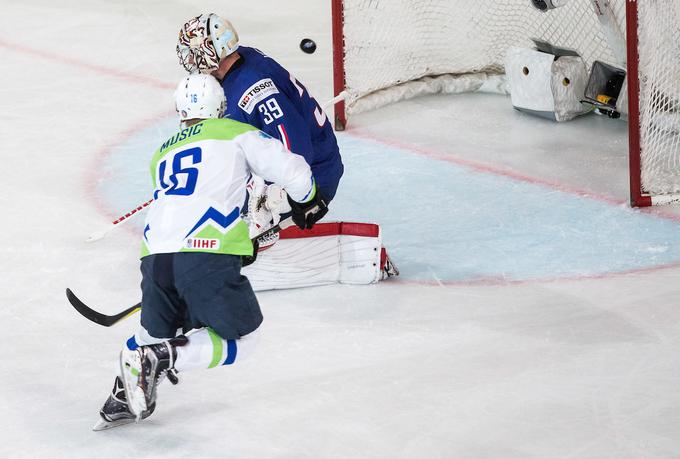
(115, 411)
(142, 370)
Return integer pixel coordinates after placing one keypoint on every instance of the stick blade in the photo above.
(97, 317)
(97, 235)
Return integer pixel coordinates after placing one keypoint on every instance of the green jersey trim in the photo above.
(211, 240)
(145, 250)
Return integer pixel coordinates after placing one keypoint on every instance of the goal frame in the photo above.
(339, 82)
(637, 198)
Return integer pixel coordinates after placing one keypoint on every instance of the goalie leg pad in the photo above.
(329, 253)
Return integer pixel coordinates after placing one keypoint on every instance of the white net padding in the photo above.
(391, 42)
(397, 49)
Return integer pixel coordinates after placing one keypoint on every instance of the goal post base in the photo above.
(647, 200)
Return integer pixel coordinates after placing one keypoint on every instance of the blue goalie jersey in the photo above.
(262, 93)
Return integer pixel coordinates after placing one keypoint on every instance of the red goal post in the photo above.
(389, 50)
(653, 37)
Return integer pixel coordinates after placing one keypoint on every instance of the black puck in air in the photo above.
(307, 46)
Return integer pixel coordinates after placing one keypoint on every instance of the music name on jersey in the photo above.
(182, 135)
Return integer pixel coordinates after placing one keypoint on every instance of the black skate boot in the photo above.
(144, 368)
(115, 411)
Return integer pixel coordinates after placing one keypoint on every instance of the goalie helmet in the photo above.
(199, 96)
(204, 41)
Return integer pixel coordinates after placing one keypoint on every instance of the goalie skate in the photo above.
(387, 268)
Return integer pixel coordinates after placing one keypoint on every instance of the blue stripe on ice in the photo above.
(444, 221)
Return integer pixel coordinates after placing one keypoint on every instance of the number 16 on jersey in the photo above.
(181, 179)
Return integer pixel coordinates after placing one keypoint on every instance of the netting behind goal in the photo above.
(658, 36)
(391, 42)
(388, 50)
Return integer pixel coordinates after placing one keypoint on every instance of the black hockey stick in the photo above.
(107, 321)
(98, 317)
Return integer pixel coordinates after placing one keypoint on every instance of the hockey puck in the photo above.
(307, 46)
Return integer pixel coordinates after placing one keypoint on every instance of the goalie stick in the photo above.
(107, 321)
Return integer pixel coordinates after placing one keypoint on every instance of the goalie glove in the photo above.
(275, 201)
(306, 214)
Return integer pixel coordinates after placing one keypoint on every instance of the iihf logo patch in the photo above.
(203, 244)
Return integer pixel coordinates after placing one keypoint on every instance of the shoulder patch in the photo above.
(257, 92)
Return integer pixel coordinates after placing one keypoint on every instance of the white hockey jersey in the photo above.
(200, 175)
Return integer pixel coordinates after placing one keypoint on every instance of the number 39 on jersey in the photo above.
(271, 110)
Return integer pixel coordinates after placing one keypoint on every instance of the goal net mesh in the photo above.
(391, 42)
(395, 49)
(659, 73)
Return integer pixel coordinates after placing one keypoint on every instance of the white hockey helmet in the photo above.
(199, 96)
(204, 41)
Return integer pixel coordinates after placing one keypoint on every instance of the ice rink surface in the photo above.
(537, 314)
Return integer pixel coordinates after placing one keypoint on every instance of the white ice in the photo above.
(537, 315)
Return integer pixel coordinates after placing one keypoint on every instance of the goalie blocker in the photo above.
(329, 253)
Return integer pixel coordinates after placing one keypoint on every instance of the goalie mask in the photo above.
(204, 41)
(199, 96)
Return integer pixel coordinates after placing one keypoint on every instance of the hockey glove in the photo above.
(305, 215)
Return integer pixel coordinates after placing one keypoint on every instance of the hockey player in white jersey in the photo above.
(192, 246)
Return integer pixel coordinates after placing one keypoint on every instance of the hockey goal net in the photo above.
(389, 50)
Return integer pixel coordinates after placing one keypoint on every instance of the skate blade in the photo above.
(103, 424)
